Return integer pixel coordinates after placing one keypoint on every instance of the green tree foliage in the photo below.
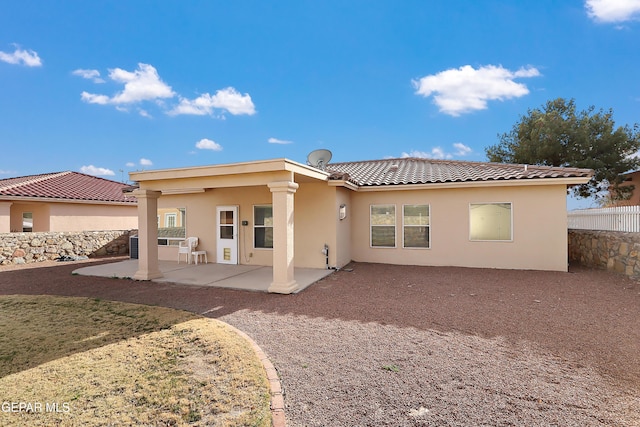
(557, 135)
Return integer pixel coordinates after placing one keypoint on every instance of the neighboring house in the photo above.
(410, 211)
(65, 201)
(630, 178)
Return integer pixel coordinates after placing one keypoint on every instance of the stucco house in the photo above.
(65, 201)
(630, 178)
(411, 211)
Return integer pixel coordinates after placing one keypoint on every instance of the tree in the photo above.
(557, 135)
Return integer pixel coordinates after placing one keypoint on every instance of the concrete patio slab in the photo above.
(245, 277)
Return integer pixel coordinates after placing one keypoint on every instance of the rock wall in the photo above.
(611, 250)
(20, 248)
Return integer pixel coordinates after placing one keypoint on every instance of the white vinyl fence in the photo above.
(620, 218)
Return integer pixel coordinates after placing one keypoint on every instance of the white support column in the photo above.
(283, 226)
(5, 217)
(147, 235)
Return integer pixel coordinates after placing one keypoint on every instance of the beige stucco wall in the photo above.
(634, 179)
(201, 220)
(86, 217)
(539, 222)
(539, 228)
(74, 216)
(342, 250)
(40, 211)
(315, 222)
(5, 217)
(314, 225)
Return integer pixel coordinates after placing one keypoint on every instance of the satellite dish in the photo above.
(319, 158)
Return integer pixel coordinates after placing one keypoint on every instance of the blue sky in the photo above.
(108, 87)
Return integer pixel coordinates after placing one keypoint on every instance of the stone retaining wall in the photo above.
(20, 248)
(612, 250)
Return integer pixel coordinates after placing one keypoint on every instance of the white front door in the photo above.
(227, 234)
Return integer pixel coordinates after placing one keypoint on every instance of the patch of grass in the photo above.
(125, 363)
(391, 368)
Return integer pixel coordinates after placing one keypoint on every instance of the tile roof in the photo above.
(66, 185)
(411, 170)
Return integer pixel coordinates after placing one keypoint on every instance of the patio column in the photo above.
(283, 224)
(147, 235)
(5, 217)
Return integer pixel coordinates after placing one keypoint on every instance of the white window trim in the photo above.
(166, 220)
(173, 241)
(253, 239)
(428, 226)
(510, 219)
(395, 227)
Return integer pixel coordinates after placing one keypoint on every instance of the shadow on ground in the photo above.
(42, 328)
(588, 315)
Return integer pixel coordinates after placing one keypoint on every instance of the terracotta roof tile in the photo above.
(411, 170)
(65, 185)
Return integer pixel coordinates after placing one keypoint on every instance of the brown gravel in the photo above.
(424, 346)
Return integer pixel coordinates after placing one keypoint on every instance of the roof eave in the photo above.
(3, 198)
(257, 166)
(343, 183)
(477, 184)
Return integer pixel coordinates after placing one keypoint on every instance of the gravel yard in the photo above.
(423, 346)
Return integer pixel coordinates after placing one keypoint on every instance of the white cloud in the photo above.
(19, 56)
(6, 172)
(94, 170)
(227, 99)
(145, 162)
(278, 141)
(207, 144)
(130, 164)
(613, 10)
(439, 152)
(461, 149)
(465, 89)
(94, 99)
(144, 113)
(93, 75)
(143, 84)
(435, 153)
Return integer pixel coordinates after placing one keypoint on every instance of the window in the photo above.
(490, 221)
(27, 222)
(170, 220)
(383, 226)
(415, 226)
(174, 229)
(263, 227)
(226, 224)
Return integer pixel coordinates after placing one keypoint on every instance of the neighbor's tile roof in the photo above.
(65, 185)
(411, 170)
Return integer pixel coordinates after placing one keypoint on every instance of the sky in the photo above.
(110, 87)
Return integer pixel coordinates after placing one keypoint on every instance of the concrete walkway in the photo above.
(246, 277)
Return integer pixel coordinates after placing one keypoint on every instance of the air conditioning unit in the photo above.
(133, 247)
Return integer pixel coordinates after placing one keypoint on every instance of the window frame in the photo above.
(395, 226)
(27, 229)
(255, 225)
(165, 241)
(510, 222)
(427, 226)
(167, 220)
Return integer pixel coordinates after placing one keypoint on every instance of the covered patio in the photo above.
(244, 277)
(244, 215)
